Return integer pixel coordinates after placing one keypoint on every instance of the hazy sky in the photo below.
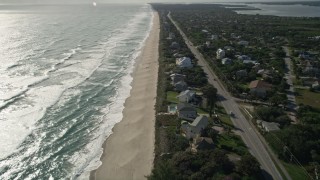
(134, 1)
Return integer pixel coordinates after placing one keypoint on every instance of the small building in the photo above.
(171, 36)
(175, 45)
(243, 57)
(241, 73)
(316, 85)
(186, 96)
(214, 37)
(259, 88)
(180, 86)
(186, 111)
(249, 62)
(220, 54)
(194, 129)
(202, 143)
(184, 62)
(243, 43)
(175, 78)
(268, 126)
(226, 61)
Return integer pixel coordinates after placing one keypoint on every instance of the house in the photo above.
(220, 54)
(241, 73)
(194, 129)
(177, 55)
(214, 37)
(184, 62)
(186, 96)
(207, 44)
(202, 143)
(249, 62)
(186, 111)
(174, 45)
(226, 61)
(268, 126)
(316, 85)
(304, 55)
(171, 36)
(180, 86)
(259, 88)
(175, 78)
(243, 57)
(243, 43)
(228, 48)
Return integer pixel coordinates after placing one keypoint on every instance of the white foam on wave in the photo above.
(113, 112)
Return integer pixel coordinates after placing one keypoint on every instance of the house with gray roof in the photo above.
(194, 129)
(186, 111)
(186, 96)
(180, 86)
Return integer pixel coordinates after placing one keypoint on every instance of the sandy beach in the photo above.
(129, 151)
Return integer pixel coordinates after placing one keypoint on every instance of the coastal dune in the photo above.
(129, 151)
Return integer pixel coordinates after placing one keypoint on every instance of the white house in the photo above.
(184, 62)
(186, 96)
(226, 61)
(194, 129)
(220, 54)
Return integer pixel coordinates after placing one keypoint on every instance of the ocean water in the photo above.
(65, 72)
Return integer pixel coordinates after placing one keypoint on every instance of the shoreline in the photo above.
(129, 151)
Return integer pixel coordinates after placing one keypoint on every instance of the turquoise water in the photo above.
(65, 74)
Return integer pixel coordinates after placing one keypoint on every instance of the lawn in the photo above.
(224, 117)
(172, 97)
(231, 142)
(308, 98)
(296, 172)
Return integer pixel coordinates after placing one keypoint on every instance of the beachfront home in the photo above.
(194, 129)
(186, 96)
(186, 111)
(180, 86)
(220, 54)
(226, 61)
(175, 78)
(259, 88)
(184, 62)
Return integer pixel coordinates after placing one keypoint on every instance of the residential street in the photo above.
(292, 105)
(244, 128)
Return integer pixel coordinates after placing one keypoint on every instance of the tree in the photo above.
(163, 171)
(210, 93)
(248, 165)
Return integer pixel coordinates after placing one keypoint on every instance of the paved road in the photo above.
(246, 131)
(292, 105)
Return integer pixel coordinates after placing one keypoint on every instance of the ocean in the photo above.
(65, 73)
